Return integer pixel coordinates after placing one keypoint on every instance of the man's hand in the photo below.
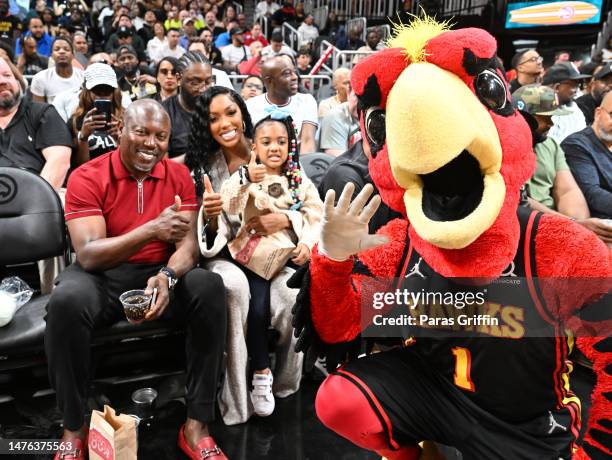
(600, 227)
(159, 281)
(144, 78)
(267, 224)
(301, 254)
(212, 202)
(257, 172)
(171, 226)
(344, 228)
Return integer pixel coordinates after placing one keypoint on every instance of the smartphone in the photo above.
(104, 107)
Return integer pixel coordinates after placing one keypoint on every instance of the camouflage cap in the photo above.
(537, 100)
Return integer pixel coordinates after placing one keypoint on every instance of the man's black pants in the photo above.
(83, 302)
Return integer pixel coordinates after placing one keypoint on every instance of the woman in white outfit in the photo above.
(219, 145)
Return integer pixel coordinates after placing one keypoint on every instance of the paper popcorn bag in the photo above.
(263, 255)
(111, 436)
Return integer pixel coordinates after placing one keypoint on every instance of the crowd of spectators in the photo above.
(170, 61)
(568, 109)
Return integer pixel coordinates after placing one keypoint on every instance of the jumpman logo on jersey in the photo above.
(415, 270)
(552, 424)
(509, 270)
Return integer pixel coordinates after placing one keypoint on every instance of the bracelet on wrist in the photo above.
(81, 138)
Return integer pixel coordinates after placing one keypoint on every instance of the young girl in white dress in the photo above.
(276, 184)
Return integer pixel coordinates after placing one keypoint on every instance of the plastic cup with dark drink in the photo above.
(144, 403)
(136, 305)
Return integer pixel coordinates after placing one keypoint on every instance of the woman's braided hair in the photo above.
(291, 168)
(202, 146)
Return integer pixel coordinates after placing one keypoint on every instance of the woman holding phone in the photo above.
(96, 123)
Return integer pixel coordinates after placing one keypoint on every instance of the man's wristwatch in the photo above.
(171, 275)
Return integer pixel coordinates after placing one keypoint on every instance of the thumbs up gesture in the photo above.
(208, 188)
(171, 226)
(212, 202)
(177, 203)
(257, 172)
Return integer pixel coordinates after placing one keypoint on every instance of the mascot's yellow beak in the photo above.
(445, 152)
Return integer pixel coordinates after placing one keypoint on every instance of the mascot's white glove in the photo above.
(344, 227)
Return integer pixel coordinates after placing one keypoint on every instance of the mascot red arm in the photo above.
(452, 159)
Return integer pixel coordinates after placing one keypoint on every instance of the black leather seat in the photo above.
(24, 334)
(315, 165)
(32, 227)
(31, 218)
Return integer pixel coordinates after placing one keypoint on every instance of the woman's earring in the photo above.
(243, 126)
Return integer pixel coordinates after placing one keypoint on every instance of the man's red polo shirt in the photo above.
(104, 187)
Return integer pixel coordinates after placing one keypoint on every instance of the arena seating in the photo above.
(32, 228)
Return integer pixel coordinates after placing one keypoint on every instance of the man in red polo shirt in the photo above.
(131, 215)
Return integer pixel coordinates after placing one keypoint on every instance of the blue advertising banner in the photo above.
(553, 13)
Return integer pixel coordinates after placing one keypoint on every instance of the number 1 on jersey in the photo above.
(463, 363)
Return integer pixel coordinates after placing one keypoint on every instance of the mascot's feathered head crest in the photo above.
(448, 149)
(414, 36)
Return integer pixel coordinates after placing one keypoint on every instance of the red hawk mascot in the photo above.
(450, 153)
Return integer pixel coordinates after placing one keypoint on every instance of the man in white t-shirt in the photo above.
(234, 53)
(276, 47)
(172, 46)
(99, 73)
(281, 81)
(340, 128)
(50, 82)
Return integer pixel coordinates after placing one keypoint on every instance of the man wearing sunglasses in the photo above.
(528, 66)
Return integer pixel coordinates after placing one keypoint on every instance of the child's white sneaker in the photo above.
(261, 395)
